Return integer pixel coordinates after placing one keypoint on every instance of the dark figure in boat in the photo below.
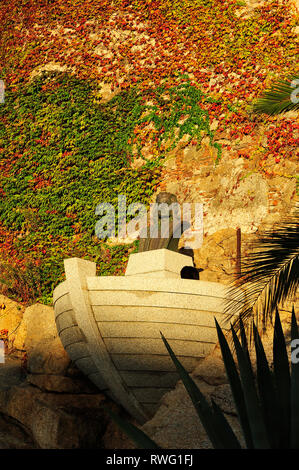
(171, 243)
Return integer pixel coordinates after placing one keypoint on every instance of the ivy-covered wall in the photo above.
(177, 72)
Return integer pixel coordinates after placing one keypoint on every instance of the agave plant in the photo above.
(270, 273)
(279, 98)
(268, 407)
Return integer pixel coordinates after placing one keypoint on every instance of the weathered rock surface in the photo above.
(218, 255)
(48, 357)
(13, 436)
(37, 324)
(56, 421)
(53, 412)
(37, 334)
(11, 373)
(61, 384)
(11, 314)
(47, 402)
(176, 423)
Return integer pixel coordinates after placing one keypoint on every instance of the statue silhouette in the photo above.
(171, 241)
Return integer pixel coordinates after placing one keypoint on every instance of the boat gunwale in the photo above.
(169, 285)
(57, 294)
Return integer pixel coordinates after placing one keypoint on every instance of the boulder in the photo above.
(38, 323)
(54, 406)
(11, 314)
(11, 373)
(176, 424)
(13, 435)
(37, 335)
(211, 371)
(57, 421)
(60, 384)
(48, 357)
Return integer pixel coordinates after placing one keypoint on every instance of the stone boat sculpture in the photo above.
(110, 326)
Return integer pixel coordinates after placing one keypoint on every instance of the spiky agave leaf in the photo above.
(216, 426)
(283, 382)
(135, 434)
(235, 385)
(294, 387)
(279, 98)
(254, 411)
(267, 392)
(267, 417)
(270, 273)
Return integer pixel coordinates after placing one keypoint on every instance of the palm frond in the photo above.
(279, 98)
(270, 273)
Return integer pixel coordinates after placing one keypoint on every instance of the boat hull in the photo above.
(111, 328)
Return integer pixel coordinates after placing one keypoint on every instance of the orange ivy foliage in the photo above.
(228, 54)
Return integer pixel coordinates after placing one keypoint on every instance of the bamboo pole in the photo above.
(238, 263)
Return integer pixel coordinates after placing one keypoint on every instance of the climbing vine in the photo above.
(180, 108)
(179, 70)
